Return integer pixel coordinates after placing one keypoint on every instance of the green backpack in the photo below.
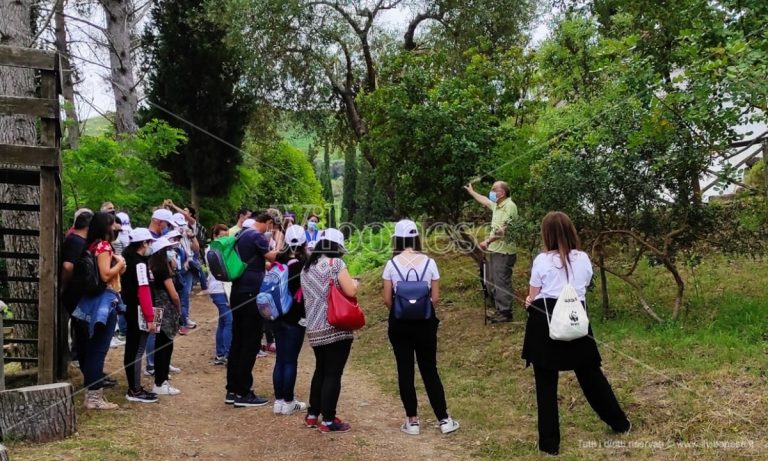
(223, 259)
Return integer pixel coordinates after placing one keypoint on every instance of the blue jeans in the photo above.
(94, 351)
(150, 350)
(197, 271)
(188, 279)
(289, 339)
(224, 329)
(122, 324)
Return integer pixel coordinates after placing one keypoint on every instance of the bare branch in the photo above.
(45, 23)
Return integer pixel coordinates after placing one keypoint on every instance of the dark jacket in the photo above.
(541, 350)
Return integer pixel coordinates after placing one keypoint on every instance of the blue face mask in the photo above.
(312, 225)
(148, 252)
(492, 196)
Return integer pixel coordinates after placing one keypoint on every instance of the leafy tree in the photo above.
(349, 202)
(285, 176)
(103, 168)
(195, 82)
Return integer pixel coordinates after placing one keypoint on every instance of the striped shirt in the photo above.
(315, 285)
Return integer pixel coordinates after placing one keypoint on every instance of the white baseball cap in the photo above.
(124, 219)
(178, 220)
(161, 244)
(295, 236)
(140, 234)
(248, 223)
(161, 214)
(406, 228)
(332, 235)
(172, 234)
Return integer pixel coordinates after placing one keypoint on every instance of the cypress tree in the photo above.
(196, 79)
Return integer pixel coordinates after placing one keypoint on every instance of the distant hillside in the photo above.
(97, 125)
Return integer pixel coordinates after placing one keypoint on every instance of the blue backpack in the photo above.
(274, 298)
(412, 298)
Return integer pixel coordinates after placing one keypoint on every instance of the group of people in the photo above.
(150, 284)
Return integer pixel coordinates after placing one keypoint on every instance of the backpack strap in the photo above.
(424, 272)
(403, 279)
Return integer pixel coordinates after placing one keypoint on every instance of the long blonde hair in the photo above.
(559, 234)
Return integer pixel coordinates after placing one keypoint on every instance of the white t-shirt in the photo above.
(548, 273)
(405, 262)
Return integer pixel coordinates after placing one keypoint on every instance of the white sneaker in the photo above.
(448, 425)
(165, 389)
(172, 369)
(410, 428)
(290, 407)
(262, 354)
(277, 407)
(116, 342)
(191, 324)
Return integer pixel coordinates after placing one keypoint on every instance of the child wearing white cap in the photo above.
(417, 337)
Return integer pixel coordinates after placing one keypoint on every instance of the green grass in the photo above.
(701, 379)
(97, 125)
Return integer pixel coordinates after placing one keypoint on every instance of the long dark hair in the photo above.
(399, 244)
(100, 228)
(559, 234)
(323, 248)
(158, 262)
(133, 249)
(298, 252)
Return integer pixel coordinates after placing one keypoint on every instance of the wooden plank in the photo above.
(19, 206)
(49, 129)
(20, 359)
(20, 177)
(30, 58)
(20, 301)
(17, 278)
(17, 255)
(46, 329)
(21, 340)
(34, 156)
(20, 322)
(27, 232)
(35, 107)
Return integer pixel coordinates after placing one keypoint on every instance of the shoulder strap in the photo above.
(424, 272)
(397, 269)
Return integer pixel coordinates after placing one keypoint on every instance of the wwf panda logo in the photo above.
(574, 317)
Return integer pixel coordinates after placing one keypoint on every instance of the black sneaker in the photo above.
(229, 399)
(501, 317)
(141, 396)
(250, 400)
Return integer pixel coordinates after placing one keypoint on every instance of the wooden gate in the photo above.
(38, 166)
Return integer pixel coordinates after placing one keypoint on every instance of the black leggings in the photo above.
(163, 353)
(326, 382)
(596, 389)
(135, 344)
(419, 338)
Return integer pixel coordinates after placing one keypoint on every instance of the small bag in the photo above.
(569, 319)
(412, 298)
(344, 312)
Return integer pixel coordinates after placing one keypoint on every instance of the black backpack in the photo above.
(86, 280)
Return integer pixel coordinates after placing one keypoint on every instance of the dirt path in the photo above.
(198, 425)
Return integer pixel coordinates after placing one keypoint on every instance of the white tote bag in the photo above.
(569, 319)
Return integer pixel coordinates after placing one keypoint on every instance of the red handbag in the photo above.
(344, 312)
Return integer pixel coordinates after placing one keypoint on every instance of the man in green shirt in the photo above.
(502, 254)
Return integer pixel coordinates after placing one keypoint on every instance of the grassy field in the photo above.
(686, 386)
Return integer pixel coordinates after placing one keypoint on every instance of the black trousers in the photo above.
(326, 382)
(135, 344)
(247, 327)
(596, 389)
(417, 339)
(163, 353)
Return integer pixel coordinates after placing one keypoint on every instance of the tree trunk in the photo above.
(119, 33)
(4, 454)
(72, 124)
(604, 289)
(15, 30)
(38, 413)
